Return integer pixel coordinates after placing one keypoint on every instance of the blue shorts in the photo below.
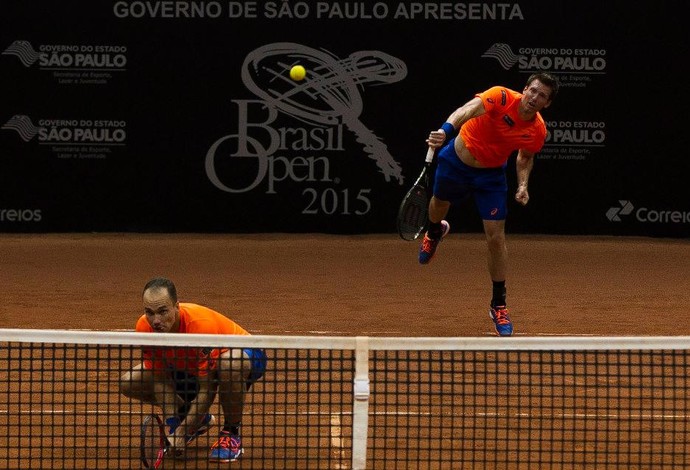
(187, 385)
(456, 181)
(258, 358)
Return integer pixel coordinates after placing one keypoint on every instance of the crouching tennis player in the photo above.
(183, 382)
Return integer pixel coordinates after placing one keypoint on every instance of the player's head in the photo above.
(160, 304)
(538, 94)
(163, 283)
(545, 79)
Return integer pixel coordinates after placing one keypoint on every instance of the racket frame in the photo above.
(162, 444)
(422, 182)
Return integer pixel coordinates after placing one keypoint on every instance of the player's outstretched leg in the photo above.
(501, 319)
(431, 241)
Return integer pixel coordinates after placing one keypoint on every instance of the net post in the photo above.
(360, 406)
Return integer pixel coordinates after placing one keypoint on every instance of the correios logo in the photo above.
(614, 213)
(647, 215)
(20, 215)
(548, 59)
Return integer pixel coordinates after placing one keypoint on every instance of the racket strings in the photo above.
(153, 442)
(413, 215)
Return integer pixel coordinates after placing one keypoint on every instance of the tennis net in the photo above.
(365, 402)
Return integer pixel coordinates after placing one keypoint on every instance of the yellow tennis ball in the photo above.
(298, 73)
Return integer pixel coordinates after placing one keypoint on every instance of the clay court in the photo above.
(369, 285)
(350, 285)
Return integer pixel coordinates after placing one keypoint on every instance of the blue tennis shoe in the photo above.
(502, 323)
(227, 448)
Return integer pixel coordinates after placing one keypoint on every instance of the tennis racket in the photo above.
(414, 208)
(154, 443)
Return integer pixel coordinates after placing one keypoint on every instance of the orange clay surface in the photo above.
(332, 285)
(349, 285)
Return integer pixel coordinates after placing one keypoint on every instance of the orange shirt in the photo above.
(193, 319)
(492, 137)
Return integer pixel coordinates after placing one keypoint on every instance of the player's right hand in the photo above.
(436, 138)
(177, 447)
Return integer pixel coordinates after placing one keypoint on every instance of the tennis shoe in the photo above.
(227, 448)
(501, 319)
(429, 245)
(208, 421)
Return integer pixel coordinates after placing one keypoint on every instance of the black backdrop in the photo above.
(179, 116)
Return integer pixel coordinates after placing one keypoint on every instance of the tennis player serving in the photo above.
(183, 382)
(492, 126)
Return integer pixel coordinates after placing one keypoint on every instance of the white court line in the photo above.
(587, 335)
(337, 440)
(336, 434)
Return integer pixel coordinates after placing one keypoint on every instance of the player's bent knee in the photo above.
(234, 365)
(135, 383)
(125, 385)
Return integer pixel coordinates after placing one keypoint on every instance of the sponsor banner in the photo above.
(574, 140)
(647, 215)
(9, 216)
(72, 138)
(651, 218)
(171, 115)
(71, 64)
(304, 138)
(575, 67)
(580, 67)
(319, 10)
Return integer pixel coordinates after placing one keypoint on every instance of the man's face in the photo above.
(160, 311)
(536, 96)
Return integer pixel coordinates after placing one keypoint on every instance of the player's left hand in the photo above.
(522, 196)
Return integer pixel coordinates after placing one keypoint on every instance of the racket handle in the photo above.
(430, 155)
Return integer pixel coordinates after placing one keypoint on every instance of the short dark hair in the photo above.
(547, 79)
(163, 283)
